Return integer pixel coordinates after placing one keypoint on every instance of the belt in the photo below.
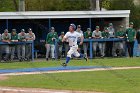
(72, 45)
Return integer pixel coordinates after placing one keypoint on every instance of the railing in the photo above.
(20, 43)
(98, 40)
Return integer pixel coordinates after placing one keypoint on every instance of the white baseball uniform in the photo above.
(72, 38)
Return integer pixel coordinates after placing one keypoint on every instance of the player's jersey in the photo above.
(72, 38)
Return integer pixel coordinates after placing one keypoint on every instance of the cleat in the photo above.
(86, 58)
(64, 64)
(47, 59)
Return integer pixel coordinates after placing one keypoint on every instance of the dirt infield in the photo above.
(37, 90)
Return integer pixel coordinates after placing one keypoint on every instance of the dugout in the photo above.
(41, 21)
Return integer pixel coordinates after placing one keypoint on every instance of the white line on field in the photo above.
(27, 91)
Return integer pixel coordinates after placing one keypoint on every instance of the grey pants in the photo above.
(48, 48)
(103, 48)
(21, 51)
(28, 49)
(13, 48)
(60, 51)
(66, 45)
(85, 47)
(0, 53)
(118, 45)
(6, 49)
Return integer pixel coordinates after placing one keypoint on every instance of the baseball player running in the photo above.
(72, 37)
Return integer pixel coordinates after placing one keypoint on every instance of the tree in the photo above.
(15, 4)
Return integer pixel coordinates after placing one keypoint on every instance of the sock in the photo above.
(67, 60)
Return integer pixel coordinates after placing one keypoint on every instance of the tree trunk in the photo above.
(15, 5)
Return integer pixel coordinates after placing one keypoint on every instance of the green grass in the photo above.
(114, 62)
(119, 81)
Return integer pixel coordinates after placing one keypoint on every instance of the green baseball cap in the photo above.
(131, 23)
(22, 30)
(97, 27)
(13, 30)
(88, 29)
(121, 26)
(62, 33)
(105, 28)
(110, 24)
(79, 26)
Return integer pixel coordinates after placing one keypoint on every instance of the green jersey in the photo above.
(105, 34)
(14, 37)
(119, 34)
(87, 34)
(51, 35)
(130, 32)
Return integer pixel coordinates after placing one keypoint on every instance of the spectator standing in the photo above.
(30, 36)
(60, 45)
(105, 34)
(110, 43)
(130, 35)
(119, 45)
(96, 35)
(50, 43)
(138, 39)
(87, 35)
(14, 38)
(80, 32)
(21, 48)
(0, 50)
(6, 37)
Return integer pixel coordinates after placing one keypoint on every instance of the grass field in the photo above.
(119, 81)
(113, 81)
(114, 62)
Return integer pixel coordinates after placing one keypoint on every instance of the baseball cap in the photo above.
(110, 24)
(97, 27)
(131, 23)
(13, 30)
(29, 29)
(88, 29)
(6, 30)
(79, 26)
(105, 28)
(121, 26)
(62, 33)
(22, 30)
(52, 28)
(73, 25)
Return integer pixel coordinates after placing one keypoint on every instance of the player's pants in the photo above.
(130, 46)
(85, 46)
(95, 44)
(28, 49)
(118, 45)
(0, 53)
(48, 48)
(103, 45)
(66, 45)
(73, 50)
(6, 48)
(12, 49)
(21, 51)
(138, 50)
(60, 51)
